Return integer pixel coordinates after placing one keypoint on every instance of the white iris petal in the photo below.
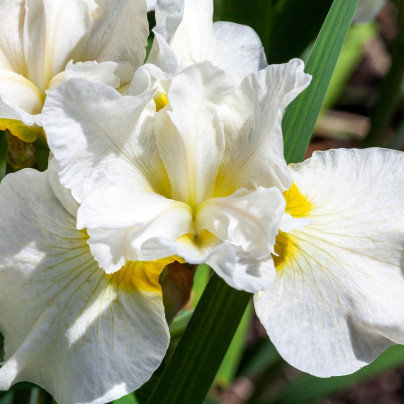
(84, 336)
(337, 300)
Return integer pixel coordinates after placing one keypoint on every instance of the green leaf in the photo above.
(231, 361)
(180, 323)
(128, 399)
(295, 24)
(3, 154)
(301, 115)
(194, 364)
(309, 389)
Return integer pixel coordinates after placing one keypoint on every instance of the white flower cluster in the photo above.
(178, 159)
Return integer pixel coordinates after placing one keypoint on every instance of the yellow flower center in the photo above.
(286, 247)
(161, 100)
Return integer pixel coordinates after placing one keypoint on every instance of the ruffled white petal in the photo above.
(54, 33)
(249, 220)
(11, 36)
(105, 336)
(119, 220)
(151, 5)
(238, 269)
(337, 302)
(367, 10)
(187, 26)
(119, 32)
(189, 135)
(110, 73)
(109, 141)
(253, 131)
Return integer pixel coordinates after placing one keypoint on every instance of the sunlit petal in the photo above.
(105, 334)
(337, 300)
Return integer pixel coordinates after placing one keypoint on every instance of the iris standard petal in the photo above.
(84, 336)
(252, 126)
(119, 32)
(189, 134)
(187, 26)
(49, 40)
(337, 301)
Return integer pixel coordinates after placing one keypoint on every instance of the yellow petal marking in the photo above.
(25, 133)
(141, 276)
(286, 247)
(296, 204)
(161, 100)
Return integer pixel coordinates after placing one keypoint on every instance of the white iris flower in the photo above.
(39, 37)
(185, 34)
(337, 301)
(84, 336)
(201, 179)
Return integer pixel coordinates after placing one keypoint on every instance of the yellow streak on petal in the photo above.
(296, 204)
(286, 247)
(161, 100)
(137, 276)
(25, 133)
(286, 250)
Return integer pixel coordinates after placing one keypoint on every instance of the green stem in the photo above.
(194, 364)
(390, 89)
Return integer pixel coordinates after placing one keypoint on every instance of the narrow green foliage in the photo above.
(194, 364)
(309, 389)
(231, 361)
(179, 324)
(3, 155)
(301, 115)
(295, 24)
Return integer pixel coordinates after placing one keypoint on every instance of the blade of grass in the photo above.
(194, 364)
(301, 115)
